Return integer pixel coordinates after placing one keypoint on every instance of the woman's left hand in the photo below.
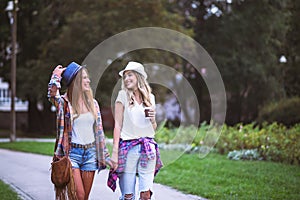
(151, 114)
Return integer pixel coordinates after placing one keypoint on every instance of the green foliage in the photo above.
(291, 69)
(274, 141)
(247, 57)
(238, 137)
(182, 135)
(286, 111)
(58, 32)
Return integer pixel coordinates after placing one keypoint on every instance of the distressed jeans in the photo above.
(127, 179)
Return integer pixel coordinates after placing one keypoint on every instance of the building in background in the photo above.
(5, 107)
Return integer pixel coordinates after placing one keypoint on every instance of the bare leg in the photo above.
(87, 179)
(78, 184)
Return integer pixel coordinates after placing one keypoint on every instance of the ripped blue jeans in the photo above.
(127, 179)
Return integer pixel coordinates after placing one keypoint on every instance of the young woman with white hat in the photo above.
(135, 151)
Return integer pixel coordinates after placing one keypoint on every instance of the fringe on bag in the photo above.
(67, 192)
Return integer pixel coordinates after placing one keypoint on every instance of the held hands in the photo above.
(59, 70)
(114, 160)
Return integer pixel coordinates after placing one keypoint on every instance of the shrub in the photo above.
(274, 142)
(182, 135)
(282, 144)
(238, 137)
(286, 111)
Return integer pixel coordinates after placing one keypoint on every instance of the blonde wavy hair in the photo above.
(143, 88)
(75, 90)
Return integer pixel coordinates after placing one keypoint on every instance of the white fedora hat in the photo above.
(134, 66)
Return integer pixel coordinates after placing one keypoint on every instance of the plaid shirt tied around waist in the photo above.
(146, 154)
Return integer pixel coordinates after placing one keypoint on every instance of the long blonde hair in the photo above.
(75, 90)
(143, 87)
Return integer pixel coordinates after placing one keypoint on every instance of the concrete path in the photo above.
(29, 175)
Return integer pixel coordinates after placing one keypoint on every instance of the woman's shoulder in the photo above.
(122, 92)
(152, 97)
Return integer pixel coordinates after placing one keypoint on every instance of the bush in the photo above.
(286, 111)
(274, 142)
(282, 144)
(182, 135)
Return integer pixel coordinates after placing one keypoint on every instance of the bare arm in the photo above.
(119, 111)
(152, 118)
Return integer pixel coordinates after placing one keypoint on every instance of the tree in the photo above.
(291, 69)
(58, 32)
(245, 43)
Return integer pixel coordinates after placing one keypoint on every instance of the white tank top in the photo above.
(135, 125)
(83, 129)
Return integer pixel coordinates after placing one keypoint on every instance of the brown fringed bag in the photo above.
(62, 178)
(60, 174)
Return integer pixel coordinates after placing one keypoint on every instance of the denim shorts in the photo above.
(127, 179)
(83, 159)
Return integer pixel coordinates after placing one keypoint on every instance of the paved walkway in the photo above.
(29, 175)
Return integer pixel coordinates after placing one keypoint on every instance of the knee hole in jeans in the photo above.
(128, 196)
(145, 195)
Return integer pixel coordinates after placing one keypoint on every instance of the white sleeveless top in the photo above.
(83, 129)
(135, 125)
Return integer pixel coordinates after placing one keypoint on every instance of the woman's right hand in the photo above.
(114, 160)
(59, 70)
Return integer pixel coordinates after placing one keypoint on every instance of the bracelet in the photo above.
(55, 74)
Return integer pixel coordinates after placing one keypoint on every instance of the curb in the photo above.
(23, 195)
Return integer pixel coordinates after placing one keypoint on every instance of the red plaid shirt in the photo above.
(146, 154)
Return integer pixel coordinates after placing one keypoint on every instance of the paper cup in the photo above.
(147, 109)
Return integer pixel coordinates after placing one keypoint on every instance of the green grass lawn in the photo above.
(6, 193)
(44, 148)
(214, 177)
